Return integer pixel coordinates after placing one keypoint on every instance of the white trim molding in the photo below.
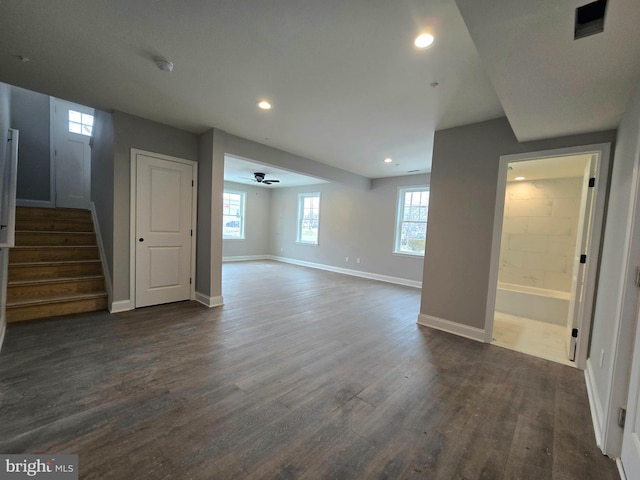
(346, 271)
(103, 258)
(597, 414)
(246, 258)
(25, 202)
(209, 301)
(448, 326)
(121, 306)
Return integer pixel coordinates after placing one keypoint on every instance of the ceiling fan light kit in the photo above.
(259, 177)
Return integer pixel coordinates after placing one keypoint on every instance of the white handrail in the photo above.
(8, 192)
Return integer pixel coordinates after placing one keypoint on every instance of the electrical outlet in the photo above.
(601, 357)
(357, 260)
(346, 259)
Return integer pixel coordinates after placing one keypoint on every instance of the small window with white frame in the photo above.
(308, 218)
(233, 214)
(411, 223)
(80, 123)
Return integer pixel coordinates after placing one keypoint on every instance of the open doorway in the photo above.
(544, 260)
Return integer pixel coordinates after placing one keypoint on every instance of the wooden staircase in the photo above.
(55, 267)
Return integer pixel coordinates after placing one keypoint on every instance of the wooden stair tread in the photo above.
(40, 247)
(55, 268)
(52, 263)
(58, 299)
(44, 281)
(56, 232)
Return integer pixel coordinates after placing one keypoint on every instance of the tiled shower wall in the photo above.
(539, 233)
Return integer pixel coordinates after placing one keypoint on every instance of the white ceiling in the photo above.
(347, 85)
(547, 168)
(549, 84)
(240, 170)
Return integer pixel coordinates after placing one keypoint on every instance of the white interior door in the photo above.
(631, 435)
(72, 128)
(576, 304)
(164, 207)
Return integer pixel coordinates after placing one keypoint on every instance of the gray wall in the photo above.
(464, 181)
(5, 124)
(102, 181)
(30, 115)
(354, 223)
(257, 212)
(211, 145)
(616, 303)
(135, 132)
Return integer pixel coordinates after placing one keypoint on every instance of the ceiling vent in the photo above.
(590, 19)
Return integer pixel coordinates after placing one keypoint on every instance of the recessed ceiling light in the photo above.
(388, 160)
(519, 178)
(424, 40)
(264, 105)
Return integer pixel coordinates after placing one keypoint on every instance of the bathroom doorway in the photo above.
(545, 252)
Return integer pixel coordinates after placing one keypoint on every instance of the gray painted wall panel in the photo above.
(30, 115)
(135, 132)
(354, 223)
(102, 180)
(464, 180)
(616, 308)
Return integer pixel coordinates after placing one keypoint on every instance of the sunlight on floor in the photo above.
(533, 337)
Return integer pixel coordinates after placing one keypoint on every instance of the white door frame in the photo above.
(595, 236)
(132, 218)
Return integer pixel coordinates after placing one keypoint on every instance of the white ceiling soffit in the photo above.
(568, 166)
(347, 85)
(239, 170)
(549, 84)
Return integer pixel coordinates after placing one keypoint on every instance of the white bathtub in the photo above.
(549, 306)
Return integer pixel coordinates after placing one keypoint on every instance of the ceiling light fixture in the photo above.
(424, 40)
(163, 64)
(388, 160)
(519, 178)
(264, 105)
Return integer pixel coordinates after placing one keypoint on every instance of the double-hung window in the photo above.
(308, 218)
(411, 223)
(233, 214)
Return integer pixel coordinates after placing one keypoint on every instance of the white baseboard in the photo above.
(346, 271)
(209, 301)
(24, 202)
(451, 327)
(121, 306)
(246, 258)
(623, 476)
(597, 414)
(103, 258)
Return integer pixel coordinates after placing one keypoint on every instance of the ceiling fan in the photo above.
(259, 177)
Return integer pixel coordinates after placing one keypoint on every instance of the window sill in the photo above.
(409, 255)
(308, 244)
(232, 238)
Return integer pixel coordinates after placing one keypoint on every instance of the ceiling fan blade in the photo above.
(273, 181)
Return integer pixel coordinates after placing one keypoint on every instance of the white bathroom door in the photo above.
(164, 207)
(72, 128)
(631, 435)
(576, 305)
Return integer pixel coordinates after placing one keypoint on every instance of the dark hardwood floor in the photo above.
(302, 374)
